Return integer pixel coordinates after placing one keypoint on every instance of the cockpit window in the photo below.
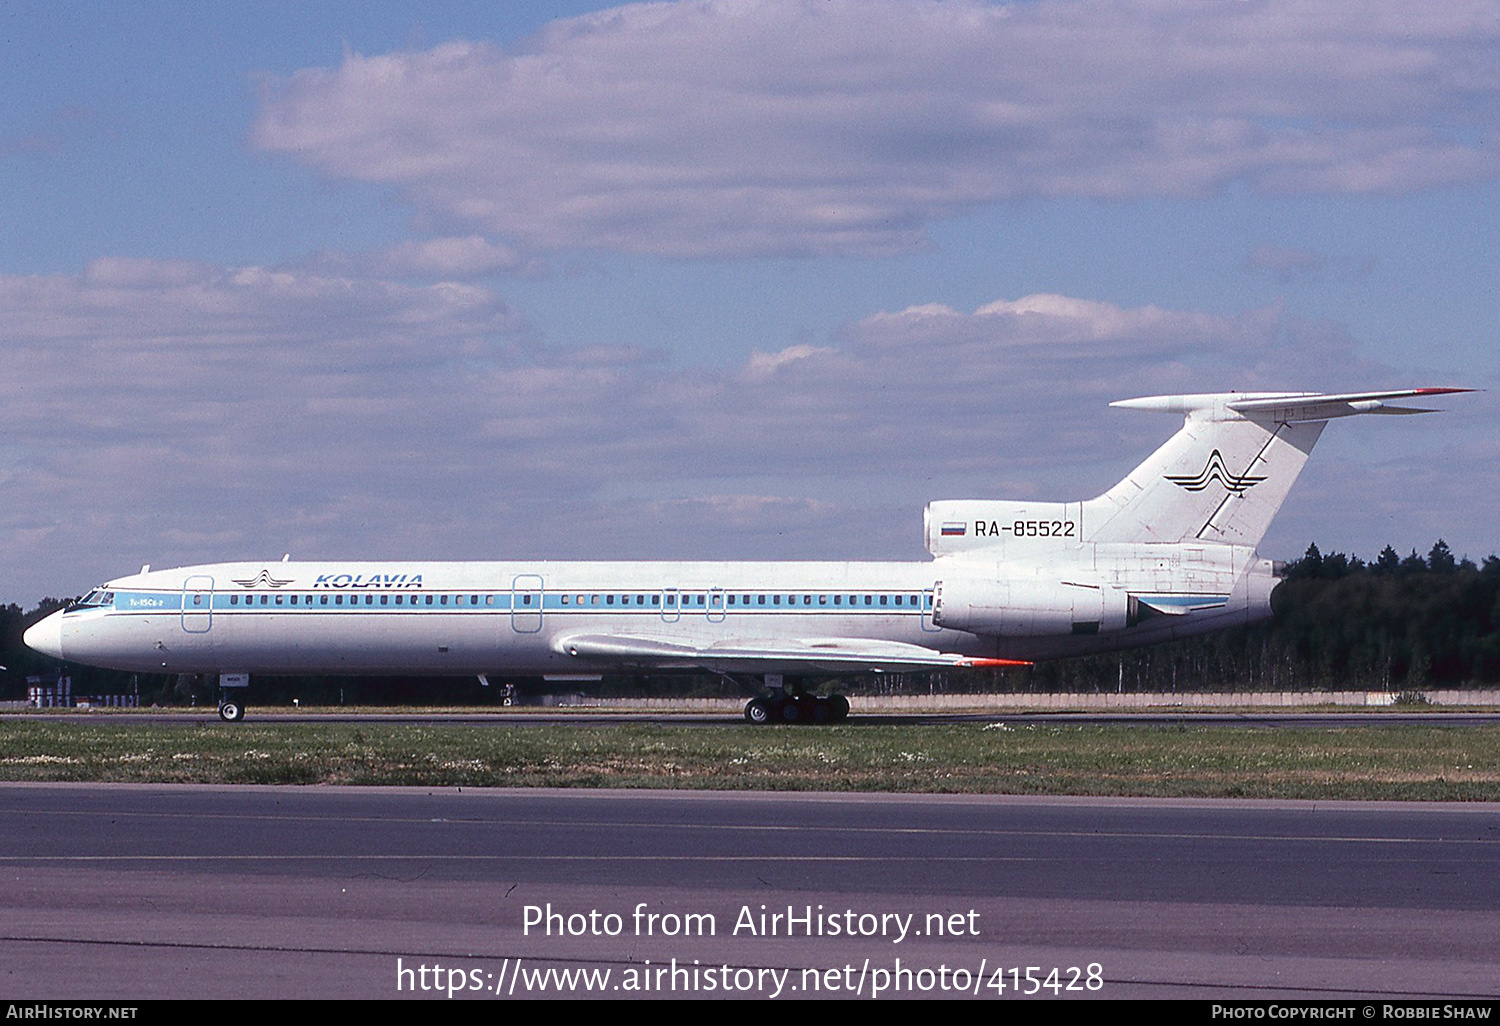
(93, 600)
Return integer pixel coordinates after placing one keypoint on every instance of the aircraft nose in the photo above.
(46, 635)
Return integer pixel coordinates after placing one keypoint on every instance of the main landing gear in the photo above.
(790, 703)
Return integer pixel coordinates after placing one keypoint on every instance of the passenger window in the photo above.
(385, 600)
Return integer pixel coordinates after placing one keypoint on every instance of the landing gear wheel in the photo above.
(758, 711)
(822, 711)
(791, 712)
(839, 706)
(231, 711)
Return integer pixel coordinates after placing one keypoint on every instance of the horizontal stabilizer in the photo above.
(754, 655)
(1283, 407)
(1314, 406)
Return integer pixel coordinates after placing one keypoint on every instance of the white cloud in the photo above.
(453, 257)
(175, 413)
(765, 365)
(733, 127)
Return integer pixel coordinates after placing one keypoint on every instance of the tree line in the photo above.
(1396, 623)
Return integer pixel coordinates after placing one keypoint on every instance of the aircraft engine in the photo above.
(1028, 608)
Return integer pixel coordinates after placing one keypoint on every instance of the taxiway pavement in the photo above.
(132, 892)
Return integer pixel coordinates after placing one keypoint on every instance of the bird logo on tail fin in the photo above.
(1215, 470)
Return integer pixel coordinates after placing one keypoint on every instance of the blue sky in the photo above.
(726, 279)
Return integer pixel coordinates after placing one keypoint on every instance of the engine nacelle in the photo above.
(1029, 608)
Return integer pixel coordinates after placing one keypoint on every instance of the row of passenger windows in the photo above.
(689, 601)
(700, 601)
(369, 600)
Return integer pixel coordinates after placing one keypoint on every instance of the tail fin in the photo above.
(1226, 473)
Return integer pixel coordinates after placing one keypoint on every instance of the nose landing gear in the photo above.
(231, 691)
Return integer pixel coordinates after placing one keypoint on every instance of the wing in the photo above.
(763, 655)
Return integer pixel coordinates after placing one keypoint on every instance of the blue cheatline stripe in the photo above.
(1190, 601)
(648, 602)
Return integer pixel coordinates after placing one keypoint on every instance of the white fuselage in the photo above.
(473, 618)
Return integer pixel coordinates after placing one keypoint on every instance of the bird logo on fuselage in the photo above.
(1215, 470)
(264, 579)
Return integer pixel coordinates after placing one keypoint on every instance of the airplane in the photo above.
(1169, 552)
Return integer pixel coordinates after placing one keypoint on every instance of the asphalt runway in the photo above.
(135, 892)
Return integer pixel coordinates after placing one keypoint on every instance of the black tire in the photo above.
(231, 711)
(791, 712)
(839, 706)
(757, 711)
(822, 711)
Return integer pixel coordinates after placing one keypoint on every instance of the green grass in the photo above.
(1372, 762)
